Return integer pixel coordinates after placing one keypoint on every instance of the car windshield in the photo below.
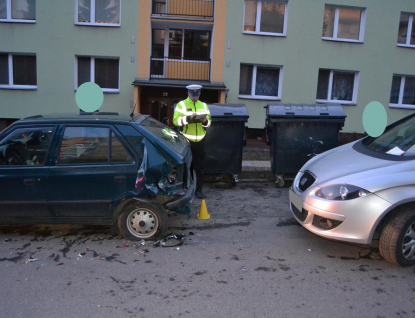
(167, 135)
(399, 140)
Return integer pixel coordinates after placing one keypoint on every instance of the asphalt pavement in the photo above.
(249, 259)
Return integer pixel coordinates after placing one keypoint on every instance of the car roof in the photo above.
(98, 117)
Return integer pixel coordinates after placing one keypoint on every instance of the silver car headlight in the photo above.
(341, 192)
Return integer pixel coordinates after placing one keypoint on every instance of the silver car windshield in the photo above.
(399, 140)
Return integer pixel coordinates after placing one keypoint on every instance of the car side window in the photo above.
(26, 146)
(90, 145)
(119, 154)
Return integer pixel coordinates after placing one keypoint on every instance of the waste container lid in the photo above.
(305, 110)
(229, 111)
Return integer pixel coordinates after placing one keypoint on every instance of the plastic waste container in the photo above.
(224, 141)
(298, 132)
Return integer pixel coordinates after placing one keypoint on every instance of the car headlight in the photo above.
(341, 192)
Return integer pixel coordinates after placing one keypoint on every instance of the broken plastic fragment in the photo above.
(31, 260)
(159, 243)
(144, 251)
(174, 236)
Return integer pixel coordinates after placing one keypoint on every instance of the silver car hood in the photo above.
(345, 165)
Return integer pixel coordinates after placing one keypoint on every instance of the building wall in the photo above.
(302, 52)
(55, 40)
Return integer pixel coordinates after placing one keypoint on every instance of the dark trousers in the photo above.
(198, 154)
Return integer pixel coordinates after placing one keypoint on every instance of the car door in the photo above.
(92, 168)
(24, 169)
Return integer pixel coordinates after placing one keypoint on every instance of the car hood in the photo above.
(346, 165)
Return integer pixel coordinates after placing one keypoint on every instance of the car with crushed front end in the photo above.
(363, 192)
(129, 171)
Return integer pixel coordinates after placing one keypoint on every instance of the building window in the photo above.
(265, 17)
(260, 82)
(102, 71)
(403, 92)
(18, 71)
(337, 86)
(344, 24)
(180, 54)
(189, 44)
(406, 33)
(18, 11)
(98, 12)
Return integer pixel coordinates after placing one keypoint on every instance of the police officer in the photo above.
(193, 117)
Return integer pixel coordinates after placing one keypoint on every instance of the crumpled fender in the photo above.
(153, 167)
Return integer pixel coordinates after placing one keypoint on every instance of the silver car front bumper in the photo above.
(352, 221)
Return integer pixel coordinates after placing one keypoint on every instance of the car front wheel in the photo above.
(397, 241)
(142, 221)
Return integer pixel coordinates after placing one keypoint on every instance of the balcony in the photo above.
(192, 9)
(179, 69)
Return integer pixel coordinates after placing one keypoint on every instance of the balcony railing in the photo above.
(179, 69)
(184, 8)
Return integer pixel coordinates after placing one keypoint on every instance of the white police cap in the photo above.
(194, 87)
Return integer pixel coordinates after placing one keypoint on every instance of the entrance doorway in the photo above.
(159, 102)
(161, 109)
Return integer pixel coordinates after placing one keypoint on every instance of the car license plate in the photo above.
(296, 200)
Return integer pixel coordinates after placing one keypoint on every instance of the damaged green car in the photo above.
(101, 168)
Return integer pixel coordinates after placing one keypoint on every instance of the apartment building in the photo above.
(181, 43)
(49, 48)
(144, 52)
(349, 52)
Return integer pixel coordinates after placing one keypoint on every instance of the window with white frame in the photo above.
(337, 86)
(265, 17)
(18, 11)
(102, 71)
(403, 92)
(344, 24)
(98, 12)
(406, 33)
(260, 82)
(18, 71)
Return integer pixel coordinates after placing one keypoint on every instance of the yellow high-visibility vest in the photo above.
(193, 130)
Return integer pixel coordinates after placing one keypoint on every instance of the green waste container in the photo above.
(297, 132)
(224, 142)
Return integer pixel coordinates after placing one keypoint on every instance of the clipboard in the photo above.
(203, 116)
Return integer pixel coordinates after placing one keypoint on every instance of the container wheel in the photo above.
(142, 221)
(279, 182)
(234, 181)
(397, 240)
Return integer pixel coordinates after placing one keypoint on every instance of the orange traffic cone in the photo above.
(203, 213)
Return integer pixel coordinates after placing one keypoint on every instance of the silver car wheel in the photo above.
(397, 240)
(142, 223)
(408, 245)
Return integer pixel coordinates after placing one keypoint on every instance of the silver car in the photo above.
(363, 191)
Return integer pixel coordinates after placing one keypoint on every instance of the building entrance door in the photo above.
(161, 109)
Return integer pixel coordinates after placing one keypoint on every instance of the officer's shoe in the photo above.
(199, 195)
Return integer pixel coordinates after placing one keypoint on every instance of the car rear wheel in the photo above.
(397, 241)
(142, 221)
